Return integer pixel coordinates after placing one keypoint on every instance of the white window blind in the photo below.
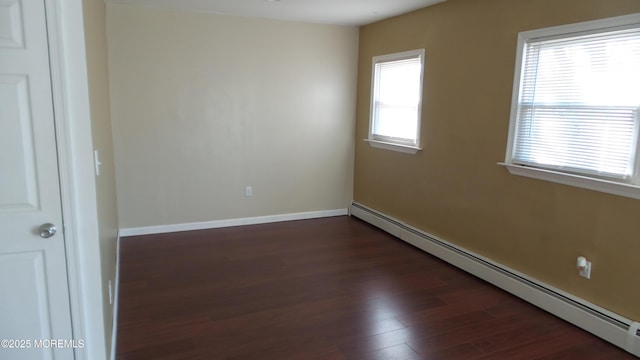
(578, 104)
(396, 98)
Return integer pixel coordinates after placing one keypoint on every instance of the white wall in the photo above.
(98, 82)
(204, 105)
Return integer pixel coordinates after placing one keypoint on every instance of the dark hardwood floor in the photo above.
(333, 288)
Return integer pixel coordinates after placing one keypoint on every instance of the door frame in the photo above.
(65, 26)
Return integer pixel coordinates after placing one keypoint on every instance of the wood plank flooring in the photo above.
(332, 288)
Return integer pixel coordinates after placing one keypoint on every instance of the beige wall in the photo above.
(204, 105)
(455, 190)
(96, 47)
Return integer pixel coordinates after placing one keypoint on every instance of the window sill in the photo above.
(393, 147)
(606, 186)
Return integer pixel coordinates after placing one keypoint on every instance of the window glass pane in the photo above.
(595, 70)
(590, 140)
(399, 82)
(401, 122)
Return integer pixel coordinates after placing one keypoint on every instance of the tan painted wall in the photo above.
(204, 105)
(455, 190)
(96, 47)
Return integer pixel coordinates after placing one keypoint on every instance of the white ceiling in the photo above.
(340, 12)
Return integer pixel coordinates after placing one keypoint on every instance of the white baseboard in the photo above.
(114, 324)
(160, 229)
(603, 323)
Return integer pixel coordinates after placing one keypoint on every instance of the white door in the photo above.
(34, 297)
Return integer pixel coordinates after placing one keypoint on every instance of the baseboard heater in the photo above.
(616, 329)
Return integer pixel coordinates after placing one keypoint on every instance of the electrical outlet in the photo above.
(584, 267)
(586, 271)
(248, 191)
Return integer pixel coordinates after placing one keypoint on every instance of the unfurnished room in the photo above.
(300, 179)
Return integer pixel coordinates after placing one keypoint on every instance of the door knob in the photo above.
(47, 230)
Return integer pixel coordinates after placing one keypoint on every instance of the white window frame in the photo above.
(632, 189)
(384, 142)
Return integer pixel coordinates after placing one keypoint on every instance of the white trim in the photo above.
(606, 186)
(582, 27)
(161, 229)
(65, 27)
(618, 330)
(633, 345)
(407, 149)
(116, 299)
